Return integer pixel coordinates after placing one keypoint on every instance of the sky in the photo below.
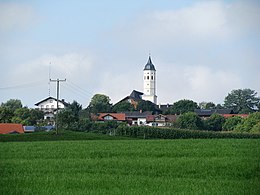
(202, 50)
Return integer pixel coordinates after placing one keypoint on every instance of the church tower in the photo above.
(149, 80)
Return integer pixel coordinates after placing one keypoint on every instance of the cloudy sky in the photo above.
(201, 49)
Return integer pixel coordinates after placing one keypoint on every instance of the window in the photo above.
(144, 78)
(108, 118)
(51, 101)
(52, 106)
(47, 107)
(148, 77)
(152, 77)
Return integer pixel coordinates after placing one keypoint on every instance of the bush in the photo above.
(214, 122)
(190, 120)
(231, 123)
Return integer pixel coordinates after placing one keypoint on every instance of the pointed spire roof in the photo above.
(149, 65)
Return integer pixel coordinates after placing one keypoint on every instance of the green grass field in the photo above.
(210, 166)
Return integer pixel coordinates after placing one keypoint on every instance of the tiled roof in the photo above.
(116, 116)
(7, 128)
(208, 112)
(232, 115)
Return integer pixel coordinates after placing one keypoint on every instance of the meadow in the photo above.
(186, 166)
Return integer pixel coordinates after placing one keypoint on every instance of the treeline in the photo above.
(217, 122)
(14, 112)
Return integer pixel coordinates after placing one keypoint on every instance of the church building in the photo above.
(149, 82)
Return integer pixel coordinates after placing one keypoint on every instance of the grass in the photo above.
(209, 166)
(51, 136)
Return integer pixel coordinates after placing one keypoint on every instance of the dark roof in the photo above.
(136, 95)
(149, 65)
(48, 98)
(164, 107)
(208, 112)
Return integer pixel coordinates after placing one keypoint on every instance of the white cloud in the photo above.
(13, 16)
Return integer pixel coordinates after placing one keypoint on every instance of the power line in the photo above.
(22, 86)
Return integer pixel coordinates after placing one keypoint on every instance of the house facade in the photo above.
(49, 107)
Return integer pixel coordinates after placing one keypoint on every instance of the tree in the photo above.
(146, 106)
(13, 104)
(248, 124)
(66, 118)
(183, 106)
(190, 120)
(27, 116)
(207, 105)
(123, 106)
(6, 114)
(99, 103)
(75, 107)
(242, 101)
(215, 122)
(231, 123)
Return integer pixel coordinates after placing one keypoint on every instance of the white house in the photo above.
(49, 107)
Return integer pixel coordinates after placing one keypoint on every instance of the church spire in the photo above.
(149, 65)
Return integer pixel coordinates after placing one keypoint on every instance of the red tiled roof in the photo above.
(7, 128)
(116, 116)
(231, 115)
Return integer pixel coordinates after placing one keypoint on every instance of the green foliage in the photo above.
(231, 123)
(173, 133)
(99, 103)
(210, 105)
(256, 128)
(13, 104)
(214, 122)
(242, 101)
(249, 123)
(6, 114)
(182, 106)
(190, 166)
(146, 106)
(123, 106)
(190, 120)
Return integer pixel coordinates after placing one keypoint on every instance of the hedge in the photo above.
(173, 133)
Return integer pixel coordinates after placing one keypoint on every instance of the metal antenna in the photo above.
(49, 83)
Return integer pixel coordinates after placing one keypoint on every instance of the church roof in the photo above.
(149, 65)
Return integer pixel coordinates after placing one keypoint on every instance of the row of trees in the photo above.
(215, 122)
(13, 112)
(242, 101)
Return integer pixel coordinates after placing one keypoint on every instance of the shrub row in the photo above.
(172, 133)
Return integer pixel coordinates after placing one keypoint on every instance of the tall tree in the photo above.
(13, 104)
(242, 101)
(99, 103)
(190, 120)
(183, 106)
(75, 107)
(6, 115)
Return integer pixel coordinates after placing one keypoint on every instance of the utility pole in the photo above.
(58, 91)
